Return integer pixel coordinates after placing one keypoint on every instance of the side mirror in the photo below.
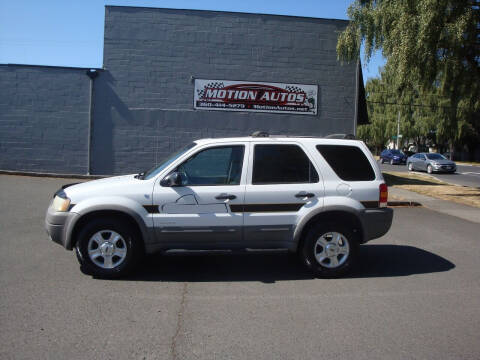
(173, 179)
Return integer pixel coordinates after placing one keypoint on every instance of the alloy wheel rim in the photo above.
(331, 250)
(107, 249)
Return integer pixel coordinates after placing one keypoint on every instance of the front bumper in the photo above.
(58, 227)
(376, 222)
(444, 168)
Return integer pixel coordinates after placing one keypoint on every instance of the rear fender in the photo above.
(331, 203)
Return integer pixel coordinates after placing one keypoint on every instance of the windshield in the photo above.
(435, 157)
(397, 152)
(158, 168)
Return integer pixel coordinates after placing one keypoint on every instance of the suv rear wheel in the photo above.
(330, 250)
(107, 248)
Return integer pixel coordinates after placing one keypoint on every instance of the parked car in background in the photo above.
(431, 162)
(393, 156)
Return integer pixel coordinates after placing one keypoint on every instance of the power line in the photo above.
(414, 105)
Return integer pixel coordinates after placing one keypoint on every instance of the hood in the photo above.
(111, 186)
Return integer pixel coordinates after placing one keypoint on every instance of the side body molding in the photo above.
(113, 203)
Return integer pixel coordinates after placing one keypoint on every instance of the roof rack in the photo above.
(260, 134)
(341, 136)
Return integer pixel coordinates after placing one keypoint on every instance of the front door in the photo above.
(198, 213)
(283, 180)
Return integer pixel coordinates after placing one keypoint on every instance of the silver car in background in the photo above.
(430, 162)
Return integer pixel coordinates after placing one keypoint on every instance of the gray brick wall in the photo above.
(144, 100)
(43, 119)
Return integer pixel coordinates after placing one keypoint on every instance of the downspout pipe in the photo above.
(92, 74)
(357, 89)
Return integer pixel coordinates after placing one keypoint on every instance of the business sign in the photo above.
(255, 96)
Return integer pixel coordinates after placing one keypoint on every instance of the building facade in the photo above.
(144, 103)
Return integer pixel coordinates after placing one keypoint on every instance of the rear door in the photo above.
(281, 180)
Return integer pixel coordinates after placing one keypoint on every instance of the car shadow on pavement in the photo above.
(271, 266)
(398, 260)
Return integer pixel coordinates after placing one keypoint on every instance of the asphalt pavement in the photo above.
(415, 294)
(466, 175)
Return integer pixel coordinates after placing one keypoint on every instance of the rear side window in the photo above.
(282, 164)
(348, 162)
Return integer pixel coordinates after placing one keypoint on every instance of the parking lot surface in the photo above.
(415, 294)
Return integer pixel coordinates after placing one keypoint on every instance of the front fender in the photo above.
(112, 203)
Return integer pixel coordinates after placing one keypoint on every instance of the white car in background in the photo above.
(318, 197)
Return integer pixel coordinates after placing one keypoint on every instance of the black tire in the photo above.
(410, 167)
(307, 251)
(429, 169)
(391, 161)
(134, 248)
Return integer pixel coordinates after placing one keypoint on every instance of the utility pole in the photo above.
(398, 130)
(357, 87)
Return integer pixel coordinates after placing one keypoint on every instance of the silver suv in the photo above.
(318, 197)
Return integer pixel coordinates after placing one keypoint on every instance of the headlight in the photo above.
(60, 204)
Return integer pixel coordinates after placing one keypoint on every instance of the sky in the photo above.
(70, 32)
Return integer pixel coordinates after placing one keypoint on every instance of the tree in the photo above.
(430, 45)
(382, 119)
(417, 121)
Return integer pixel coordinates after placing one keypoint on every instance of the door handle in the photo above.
(224, 196)
(303, 194)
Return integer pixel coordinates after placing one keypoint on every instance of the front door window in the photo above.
(213, 166)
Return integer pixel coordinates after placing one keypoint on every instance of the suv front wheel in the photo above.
(330, 250)
(107, 248)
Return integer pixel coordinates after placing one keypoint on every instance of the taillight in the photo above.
(383, 199)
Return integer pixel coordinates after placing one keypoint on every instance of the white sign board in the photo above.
(255, 96)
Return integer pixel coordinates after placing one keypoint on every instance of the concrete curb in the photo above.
(461, 211)
(403, 204)
(52, 175)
